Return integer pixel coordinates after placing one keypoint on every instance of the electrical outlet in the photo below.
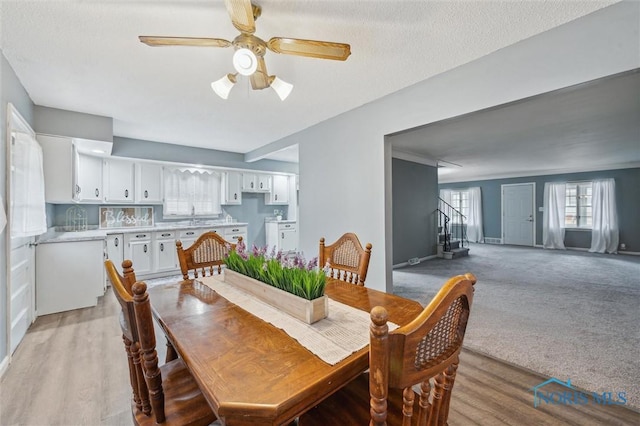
(623, 246)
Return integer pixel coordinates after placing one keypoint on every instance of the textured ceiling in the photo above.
(85, 57)
(583, 127)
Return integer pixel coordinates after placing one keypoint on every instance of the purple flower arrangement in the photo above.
(288, 272)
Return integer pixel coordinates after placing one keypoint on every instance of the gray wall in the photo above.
(53, 121)
(414, 194)
(136, 148)
(11, 90)
(627, 200)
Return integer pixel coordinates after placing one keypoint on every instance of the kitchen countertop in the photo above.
(57, 235)
(279, 221)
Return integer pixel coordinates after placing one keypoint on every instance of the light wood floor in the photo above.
(71, 370)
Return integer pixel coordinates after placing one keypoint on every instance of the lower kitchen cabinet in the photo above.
(282, 235)
(164, 251)
(69, 275)
(115, 249)
(138, 250)
(233, 233)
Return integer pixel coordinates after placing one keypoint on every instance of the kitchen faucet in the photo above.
(193, 220)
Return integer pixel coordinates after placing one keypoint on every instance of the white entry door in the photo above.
(21, 306)
(518, 214)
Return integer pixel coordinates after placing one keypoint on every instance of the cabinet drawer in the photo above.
(235, 230)
(138, 236)
(165, 235)
(189, 234)
(286, 227)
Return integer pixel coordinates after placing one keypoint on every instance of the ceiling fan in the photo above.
(248, 58)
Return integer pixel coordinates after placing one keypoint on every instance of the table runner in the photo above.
(344, 331)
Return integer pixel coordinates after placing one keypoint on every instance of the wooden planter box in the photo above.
(305, 310)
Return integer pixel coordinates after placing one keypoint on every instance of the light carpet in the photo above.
(564, 314)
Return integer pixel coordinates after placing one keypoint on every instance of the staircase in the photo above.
(452, 232)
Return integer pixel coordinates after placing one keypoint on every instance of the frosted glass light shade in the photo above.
(282, 88)
(245, 61)
(223, 86)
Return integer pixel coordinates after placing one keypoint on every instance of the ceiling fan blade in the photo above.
(184, 41)
(241, 12)
(310, 48)
(260, 78)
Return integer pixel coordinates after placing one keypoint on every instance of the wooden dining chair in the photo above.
(205, 256)
(346, 259)
(167, 394)
(420, 355)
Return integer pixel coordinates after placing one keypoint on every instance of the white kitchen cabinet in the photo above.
(231, 188)
(118, 180)
(148, 183)
(256, 182)
(188, 237)
(233, 233)
(115, 249)
(71, 176)
(69, 275)
(283, 235)
(138, 249)
(279, 190)
(88, 185)
(164, 251)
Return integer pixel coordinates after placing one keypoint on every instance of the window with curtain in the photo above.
(28, 211)
(190, 192)
(460, 202)
(578, 207)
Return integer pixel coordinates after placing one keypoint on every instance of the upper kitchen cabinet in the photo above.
(148, 183)
(256, 182)
(118, 180)
(70, 174)
(231, 188)
(279, 190)
(88, 185)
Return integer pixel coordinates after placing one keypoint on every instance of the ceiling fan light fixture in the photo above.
(245, 61)
(281, 87)
(223, 86)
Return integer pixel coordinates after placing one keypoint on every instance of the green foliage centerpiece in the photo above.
(291, 274)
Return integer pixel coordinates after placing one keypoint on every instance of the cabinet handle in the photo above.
(161, 246)
(116, 242)
(235, 230)
(141, 236)
(166, 235)
(145, 248)
(283, 235)
(235, 195)
(126, 193)
(77, 189)
(260, 185)
(97, 192)
(251, 185)
(276, 197)
(190, 233)
(287, 226)
(146, 194)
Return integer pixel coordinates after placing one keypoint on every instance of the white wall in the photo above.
(343, 186)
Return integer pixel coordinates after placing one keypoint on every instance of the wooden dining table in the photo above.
(251, 372)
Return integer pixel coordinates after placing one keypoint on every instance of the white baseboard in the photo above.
(4, 365)
(630, 253)
(422, 259)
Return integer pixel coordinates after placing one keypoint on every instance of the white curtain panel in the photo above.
(554, 215)
(445, 194)
(3, 216)
(177, 194)
(207, 184)
(605, 232)
(474, 221)
(28, 212)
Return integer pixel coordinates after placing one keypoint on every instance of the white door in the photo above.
(518, 214)
(21, 303)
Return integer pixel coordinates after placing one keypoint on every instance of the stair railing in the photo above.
(443, 229)
(456, 222)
